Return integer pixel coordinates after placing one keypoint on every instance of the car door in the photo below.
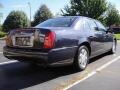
(96, 38)
(107, 36)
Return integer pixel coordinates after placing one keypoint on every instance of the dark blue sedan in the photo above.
(60, 41)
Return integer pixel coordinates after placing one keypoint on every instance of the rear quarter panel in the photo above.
(66, 38)
(66, 45)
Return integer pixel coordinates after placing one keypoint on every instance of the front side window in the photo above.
(100, 26)
(58, 22)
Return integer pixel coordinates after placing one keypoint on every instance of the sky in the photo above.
(54, 5)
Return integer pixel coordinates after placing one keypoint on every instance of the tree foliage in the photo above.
(0, 27)
(89, 8)
(15, 19)
(42, 14)
(113, 16)
(97, 9)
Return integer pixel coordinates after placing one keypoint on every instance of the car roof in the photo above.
(75, 16)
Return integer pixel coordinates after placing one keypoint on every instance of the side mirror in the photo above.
(109, 30)
(96, 28)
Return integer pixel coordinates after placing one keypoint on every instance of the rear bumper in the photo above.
(24, 55)
(51, 57)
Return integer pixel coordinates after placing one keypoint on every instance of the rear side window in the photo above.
(86, 25)
(83, 24)
(92, 24)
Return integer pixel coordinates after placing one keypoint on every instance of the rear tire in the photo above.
(82, 58)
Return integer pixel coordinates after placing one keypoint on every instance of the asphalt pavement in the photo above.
(16, 75)
(107, 79)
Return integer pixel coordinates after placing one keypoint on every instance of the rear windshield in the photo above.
(57, 22)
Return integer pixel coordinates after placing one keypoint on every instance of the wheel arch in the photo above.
(85, 43)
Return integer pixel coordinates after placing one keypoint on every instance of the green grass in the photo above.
(2, 34)
(117, 36)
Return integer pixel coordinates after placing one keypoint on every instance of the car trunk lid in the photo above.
(29, 37)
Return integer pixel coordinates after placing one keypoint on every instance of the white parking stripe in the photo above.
(9, 62)
(93, 72)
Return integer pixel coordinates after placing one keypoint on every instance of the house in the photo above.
(116, 29)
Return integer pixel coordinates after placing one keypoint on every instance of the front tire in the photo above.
(82, 58)
(113, 49)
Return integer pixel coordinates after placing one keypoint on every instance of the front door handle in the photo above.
(106, 35)
(91, 37)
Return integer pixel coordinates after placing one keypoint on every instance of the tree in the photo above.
(0, 27)
(15, 19)
(89, 8)
(42, 14)
(113, 16)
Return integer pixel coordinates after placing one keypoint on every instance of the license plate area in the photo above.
(23, 41)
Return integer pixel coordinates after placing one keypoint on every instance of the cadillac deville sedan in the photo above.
(60, 41)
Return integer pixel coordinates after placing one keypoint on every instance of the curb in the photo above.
(3, 38)
(118, 40)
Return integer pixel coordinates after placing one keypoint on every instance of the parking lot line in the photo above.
(8, 62)
(93, 72)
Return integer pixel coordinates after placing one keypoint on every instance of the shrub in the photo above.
(2, 34)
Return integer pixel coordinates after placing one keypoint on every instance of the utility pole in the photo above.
(1, 14)
(29, 4)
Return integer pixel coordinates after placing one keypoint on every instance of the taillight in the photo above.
(8, 40)
(49, 40)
